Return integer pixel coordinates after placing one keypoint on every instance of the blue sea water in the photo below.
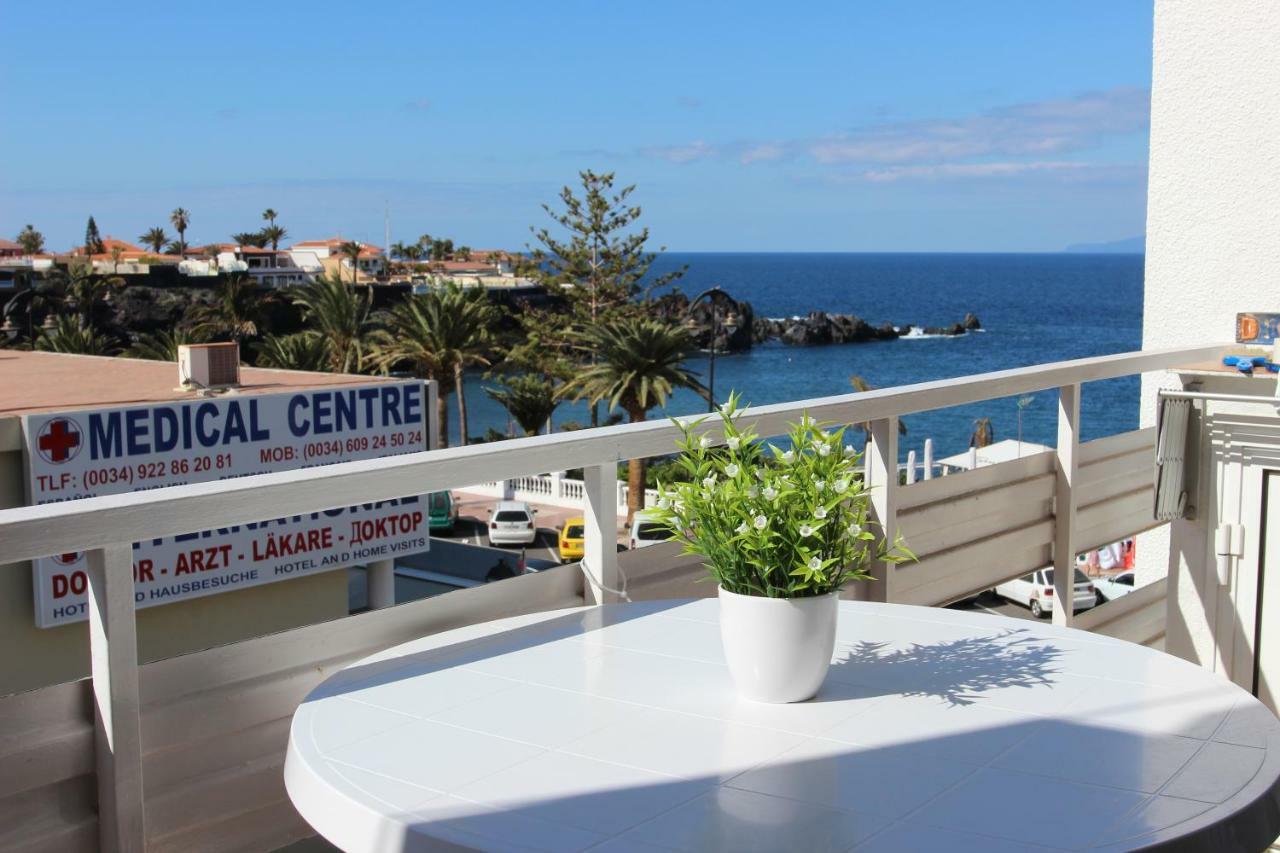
(1033, 309)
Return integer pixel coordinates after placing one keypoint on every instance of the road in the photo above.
(985, 603)
(464, 557)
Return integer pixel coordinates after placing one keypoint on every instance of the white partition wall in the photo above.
(1213, 218)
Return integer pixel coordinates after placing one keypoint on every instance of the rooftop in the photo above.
(33, 382)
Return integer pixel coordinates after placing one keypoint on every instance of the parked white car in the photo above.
(512, 523)
(1109, 589)
(646, 531)
(1036, 591)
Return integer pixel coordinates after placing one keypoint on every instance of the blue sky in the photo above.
(843, 126)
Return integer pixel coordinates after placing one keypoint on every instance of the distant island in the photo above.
(1129, 246)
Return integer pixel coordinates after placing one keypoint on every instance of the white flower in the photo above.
(733, 441)
(709, 482)
(824, 449)
(789, 457)
(741, 528)
(820, 513)
(806, 530)
(731, 470)
(770, 493)
(760, 473)
(842, 485)
(820, 484)
(760, 522)
(753, 492)
(663, 503)
(848, 450)
(704, 442)
(855, 528)
(815, 563)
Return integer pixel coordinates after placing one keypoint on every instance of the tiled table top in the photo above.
(617, 729)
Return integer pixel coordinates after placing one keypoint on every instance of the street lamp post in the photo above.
(728, 321)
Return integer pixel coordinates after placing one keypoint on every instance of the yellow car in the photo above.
(571, 533)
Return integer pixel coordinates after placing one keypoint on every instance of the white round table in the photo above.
(617, 729)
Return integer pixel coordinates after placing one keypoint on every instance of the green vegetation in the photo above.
(437, 335)
(779, 523)
(530, 401)
(340, 316)
(31, 240)
(598, 339)
(92, 239)
(68, 336)
(639, 362)
(155, 238)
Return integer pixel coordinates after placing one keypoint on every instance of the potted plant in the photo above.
(781, 529)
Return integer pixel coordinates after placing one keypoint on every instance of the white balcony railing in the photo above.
(553, 489)
(189, 749)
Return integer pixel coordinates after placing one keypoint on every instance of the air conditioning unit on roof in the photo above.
(209, 365)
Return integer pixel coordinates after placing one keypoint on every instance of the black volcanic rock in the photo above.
(970, 322)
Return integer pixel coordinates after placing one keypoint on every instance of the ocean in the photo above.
(1033, 308)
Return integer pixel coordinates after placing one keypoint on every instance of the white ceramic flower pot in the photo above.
(778, 649)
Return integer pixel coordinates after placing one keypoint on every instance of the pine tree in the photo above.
(599, 266)
(92, 239)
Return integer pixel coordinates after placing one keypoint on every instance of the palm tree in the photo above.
(639, 362)
(68, 336)
(155, 238)
(270, 215)
(351, 251)
(440, 333)
(273, 234)
(340, 316)
(180, 219)
(84, 291)
(300, 351)
(529, 399)
(413, 252)
(398, 249)
(256, 239)
(984, 434)
(235, 314)
(862, 386)
(162, 345)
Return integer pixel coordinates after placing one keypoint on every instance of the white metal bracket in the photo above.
(1228, 546)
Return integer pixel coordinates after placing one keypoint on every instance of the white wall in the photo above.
(1213, 208)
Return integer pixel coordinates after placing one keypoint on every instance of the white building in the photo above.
(327, 254)
(267, 267)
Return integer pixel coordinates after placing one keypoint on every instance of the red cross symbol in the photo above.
(59, 440)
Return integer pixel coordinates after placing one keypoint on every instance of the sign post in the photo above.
(80, 454)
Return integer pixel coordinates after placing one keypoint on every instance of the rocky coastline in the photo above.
(817, 328)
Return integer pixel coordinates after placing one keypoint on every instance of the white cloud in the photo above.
(939, 171)
(952, 148)
(762, 153)
(1039, 128)
(682, 153)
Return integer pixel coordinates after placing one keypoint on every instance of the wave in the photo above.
(915, 333)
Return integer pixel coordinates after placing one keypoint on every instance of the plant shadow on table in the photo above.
(958, 671)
